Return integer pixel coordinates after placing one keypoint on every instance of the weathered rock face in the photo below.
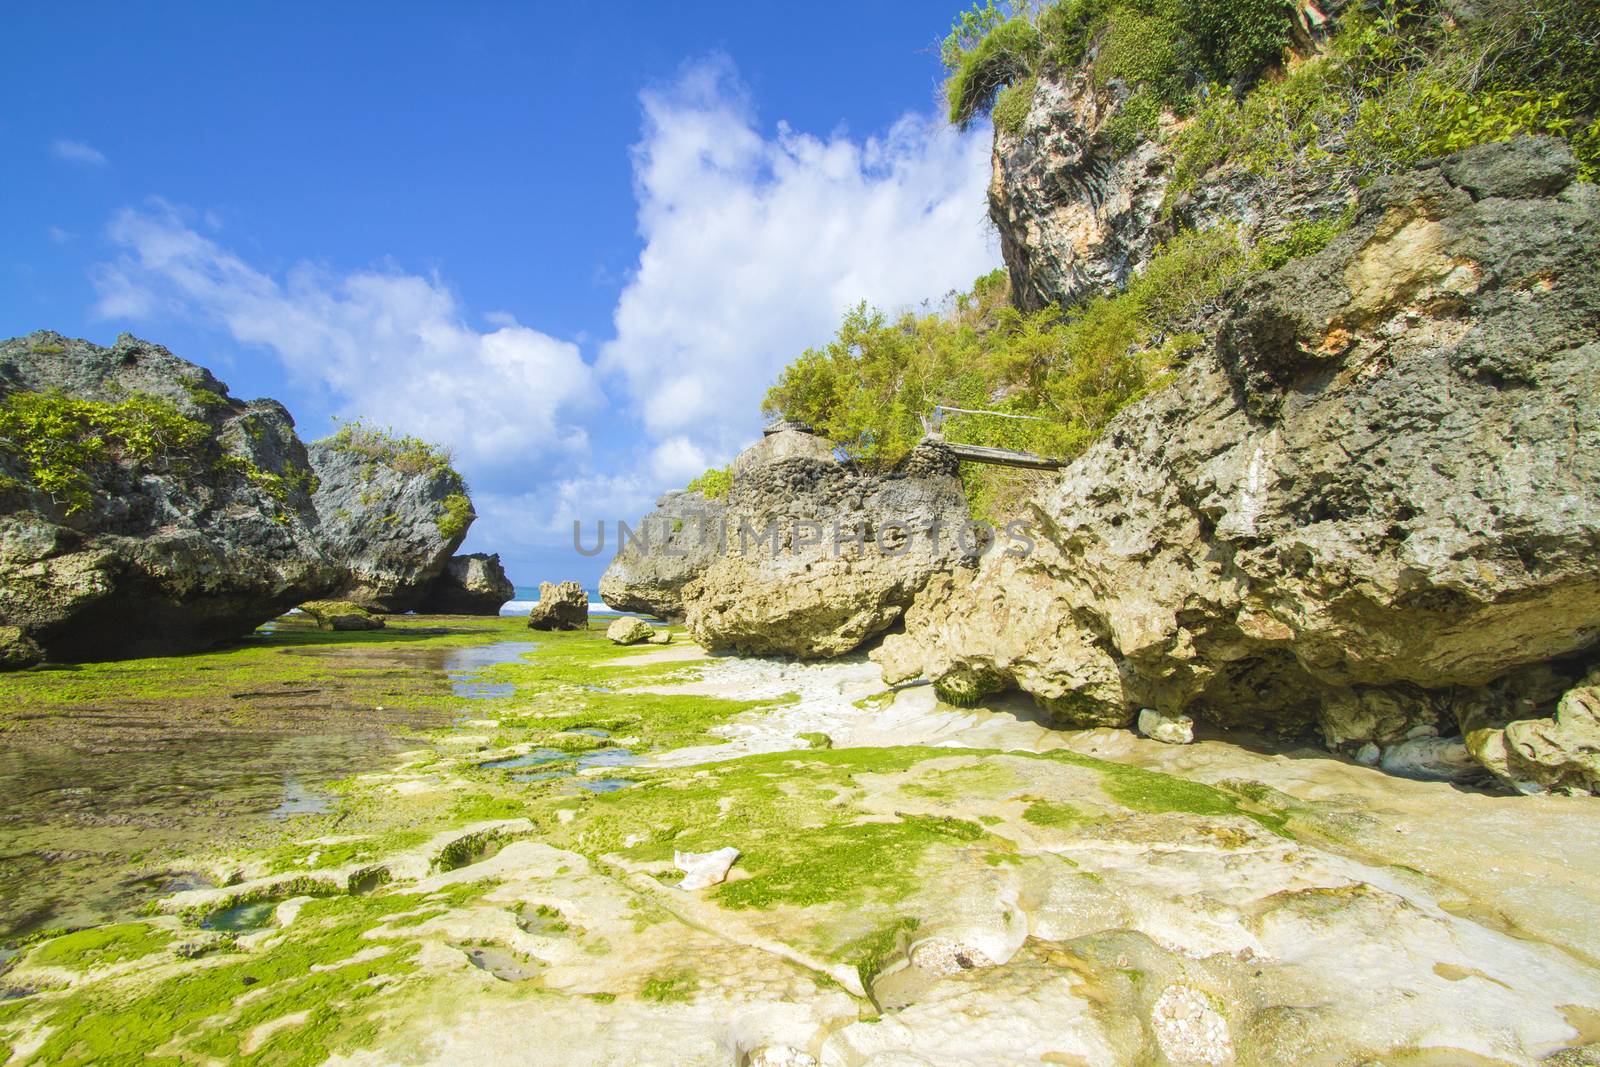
(475, 584)
(560, 607)
(1078, 214)
(674, 544)
(391, 517)
(198, 543)
(1533, 747)
(1369, 499)
(821, 557)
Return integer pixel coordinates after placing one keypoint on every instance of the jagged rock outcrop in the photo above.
(670, 546)
(820, 557)
(1370, 498)
(1079, 211)
(474, 584)
(391, 511)
(563, 606)
(143, 510)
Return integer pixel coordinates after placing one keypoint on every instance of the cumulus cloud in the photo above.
(530, 522)
(78, 152)
(756, 244)
(389, 346)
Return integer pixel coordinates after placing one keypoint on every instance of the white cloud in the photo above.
(756, 245)
(391, 347)
(530, 522)
(78, 152)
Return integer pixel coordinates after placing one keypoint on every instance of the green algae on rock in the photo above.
(885, 900)
(341, 615)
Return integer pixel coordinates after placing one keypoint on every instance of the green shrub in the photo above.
(1304, 239)
(1007, 52)
(1162, 48)
(869, 389)
(1139, 118)
(408, 455)
(1235, 40)
(1403, 83)
(63, 443)
(455, 515)
(1144, 49)
(713, 484)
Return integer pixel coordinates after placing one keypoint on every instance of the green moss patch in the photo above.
(212, 1009)
(674, 987)
(101, 946)
(1056, 815)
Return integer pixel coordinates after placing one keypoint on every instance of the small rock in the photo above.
(703, 869)
(17, 649)
(1368, 754)
(630, 631)
(661, 637)
(944, 956)
(1168, 729)
(560, 607)
(1434, 759)
(341, 615)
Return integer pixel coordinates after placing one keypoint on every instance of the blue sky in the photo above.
(573, 242)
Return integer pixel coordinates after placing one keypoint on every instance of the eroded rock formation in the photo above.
(391, 512)
(820, 557)
(561, 606)
(1079, 212)
(165, 516)
(673, 544)
(474, 584)
(1374, 494)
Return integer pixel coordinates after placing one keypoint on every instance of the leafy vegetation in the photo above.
(1399, 81)
(713, 484)
(986, 51)
(406, 454)
(1163, 48)
(65, 445)
(1069, 372)
(1402, 82)
(455, 515)
(1012, 104)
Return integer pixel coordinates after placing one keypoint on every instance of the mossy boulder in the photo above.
(17, 649)
(341, 615)
(392, 509)
(821, 556)
(629, 631)
(143, 509)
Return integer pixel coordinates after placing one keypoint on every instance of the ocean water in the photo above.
(527, 595)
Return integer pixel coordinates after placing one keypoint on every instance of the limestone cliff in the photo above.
(1373, 494)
